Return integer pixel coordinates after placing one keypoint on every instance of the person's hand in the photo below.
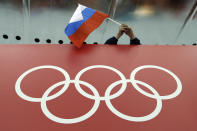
(121, 31)
(128, 31)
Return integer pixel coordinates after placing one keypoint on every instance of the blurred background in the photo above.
(155, 22)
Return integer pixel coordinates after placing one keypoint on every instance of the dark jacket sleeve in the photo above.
(135, 41)
(112, 41)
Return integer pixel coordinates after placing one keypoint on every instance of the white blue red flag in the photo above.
(84, 21)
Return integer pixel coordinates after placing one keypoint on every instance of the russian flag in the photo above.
(84, 21)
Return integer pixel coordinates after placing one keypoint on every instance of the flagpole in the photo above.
(114, 21)
(188, 18)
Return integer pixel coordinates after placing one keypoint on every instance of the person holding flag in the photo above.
(85, 20)
(128, 31)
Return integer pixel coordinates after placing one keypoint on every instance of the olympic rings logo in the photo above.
(96, 97)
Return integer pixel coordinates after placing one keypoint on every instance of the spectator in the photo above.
(128, 31)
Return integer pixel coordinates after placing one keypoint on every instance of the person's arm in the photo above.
(133, 39)
(112, 41)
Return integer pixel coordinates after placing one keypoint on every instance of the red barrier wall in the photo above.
(178, 113)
